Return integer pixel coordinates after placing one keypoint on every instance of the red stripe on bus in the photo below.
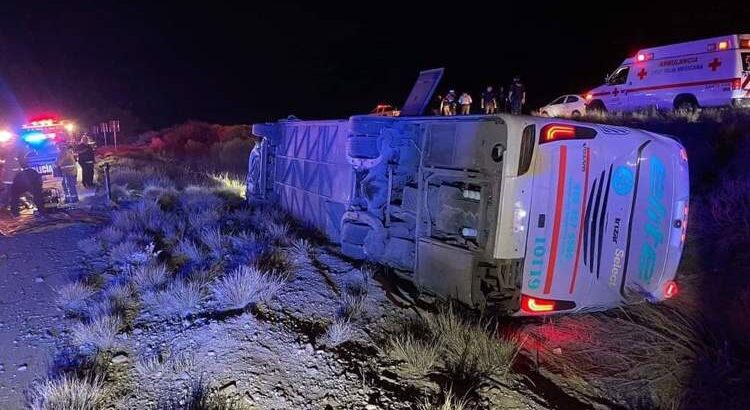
(580, 224)
(558, 216)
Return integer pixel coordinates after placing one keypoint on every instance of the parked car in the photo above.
(385, 110)
(565, 106)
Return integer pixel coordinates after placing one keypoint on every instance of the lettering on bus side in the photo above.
(571, 218)
(537, 261)
(656, 211)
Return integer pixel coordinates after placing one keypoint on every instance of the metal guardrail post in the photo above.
(107, 181)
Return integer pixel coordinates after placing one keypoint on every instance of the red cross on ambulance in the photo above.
(714, 64)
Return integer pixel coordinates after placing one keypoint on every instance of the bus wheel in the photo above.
(685, 104)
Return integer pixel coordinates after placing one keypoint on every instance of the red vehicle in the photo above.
(385, 110)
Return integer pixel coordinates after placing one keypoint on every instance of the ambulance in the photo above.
(515, 214)
(714, 72)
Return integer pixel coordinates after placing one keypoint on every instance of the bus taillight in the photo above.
(558, 132)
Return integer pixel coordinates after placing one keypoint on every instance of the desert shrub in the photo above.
(449, 402)
(201, 396)
(130, 254)
(213, 239)
(111, 235)
(229, 183)
(187, 251)
(66, 393)
(120, 298)
(171, 365)
(128, 177)
(74, 298)
(90, 247)
(150, 277)
(182, 299)
(418, 356)
(244, 286)
(339, 331)
(729, 206)
(350, 305)
(471, 351)
(119, 193)
(125, 221)
(649, 355)
(278, 232)
(99, 334)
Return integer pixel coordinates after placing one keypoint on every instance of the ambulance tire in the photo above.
(596, 106)
(685, 103)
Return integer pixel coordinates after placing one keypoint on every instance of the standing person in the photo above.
(465, 101)
(517, 96)
(502, 100)
(86, 160)
(27, 180)
(449, 103)
(489, 101)
(12, 166)
(437, 105)
(66, 162)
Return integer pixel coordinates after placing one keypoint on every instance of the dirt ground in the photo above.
(32, 263)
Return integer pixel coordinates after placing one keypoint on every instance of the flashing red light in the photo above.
(589, 96)
(670, 289)
(745, 43)
(641, 57)
(534, 305)
(723, 45)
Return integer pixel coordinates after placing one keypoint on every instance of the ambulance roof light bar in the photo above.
(644, 57)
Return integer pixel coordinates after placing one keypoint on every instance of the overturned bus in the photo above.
(521, 215)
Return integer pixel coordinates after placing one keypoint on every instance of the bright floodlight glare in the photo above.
(70, 127)
(34, 137)
(5, 136)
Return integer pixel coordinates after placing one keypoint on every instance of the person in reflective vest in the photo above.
(66, 164)
(465, 102)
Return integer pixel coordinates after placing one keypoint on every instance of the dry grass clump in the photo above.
(419, 357)
(467, 352)
(230, 183)
(74, 298)
(340, 331)
(181, 298)
(245, 286)
(150, 277)
(644, 353)
(66, 393)
(449, 402)
(99, 334)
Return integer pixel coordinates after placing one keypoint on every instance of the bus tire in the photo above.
(686, 103)
(596, 106)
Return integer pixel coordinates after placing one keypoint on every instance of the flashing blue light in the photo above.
(34, 138)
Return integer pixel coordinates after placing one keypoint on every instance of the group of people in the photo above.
(491, 101)
(18, 177)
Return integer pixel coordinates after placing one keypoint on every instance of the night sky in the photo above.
(169, 62)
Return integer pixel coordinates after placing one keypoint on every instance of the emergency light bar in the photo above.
(644, 57)
(34, 138)
(745, 43)
(558, 132)
(5, 136)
